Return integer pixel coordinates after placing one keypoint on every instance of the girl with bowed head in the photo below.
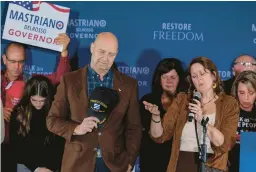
(34, 148)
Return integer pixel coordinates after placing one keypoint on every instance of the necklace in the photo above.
(203, 104)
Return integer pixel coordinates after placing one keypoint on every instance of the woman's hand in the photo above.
(152, 108)
(197, 110)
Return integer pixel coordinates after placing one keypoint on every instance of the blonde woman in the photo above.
(244, 90)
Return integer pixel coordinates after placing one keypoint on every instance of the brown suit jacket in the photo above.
(119, 137)
(227, 115)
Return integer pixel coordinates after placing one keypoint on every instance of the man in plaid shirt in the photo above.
(92, 146)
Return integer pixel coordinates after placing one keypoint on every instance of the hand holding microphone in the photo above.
(195, 108)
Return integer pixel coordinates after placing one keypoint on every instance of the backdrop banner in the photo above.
(150, 31)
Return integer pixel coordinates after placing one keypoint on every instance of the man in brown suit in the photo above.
(90, 147)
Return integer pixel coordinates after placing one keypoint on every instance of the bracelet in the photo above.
(155, 121)
(155, 114)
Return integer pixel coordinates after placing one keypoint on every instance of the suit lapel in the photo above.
(117, 81)
(80, 89)
(118, 86)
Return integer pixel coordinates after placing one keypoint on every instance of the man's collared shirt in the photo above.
(94, 81)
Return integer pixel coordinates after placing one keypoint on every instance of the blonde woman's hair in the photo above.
(246, 77)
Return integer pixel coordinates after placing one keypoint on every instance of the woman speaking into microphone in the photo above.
(222, 111)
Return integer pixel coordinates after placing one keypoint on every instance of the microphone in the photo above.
(197, 96)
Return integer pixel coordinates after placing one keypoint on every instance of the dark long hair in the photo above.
(165, 66)
(37, 85)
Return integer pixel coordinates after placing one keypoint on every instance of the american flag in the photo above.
(35, 5)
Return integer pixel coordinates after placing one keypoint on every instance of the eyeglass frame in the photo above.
(246, 64)
(22, 62)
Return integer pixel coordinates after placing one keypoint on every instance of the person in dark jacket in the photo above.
(33, 147)
(168, 80)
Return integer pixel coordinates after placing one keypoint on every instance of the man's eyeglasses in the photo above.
(247, 64)
(21, 62)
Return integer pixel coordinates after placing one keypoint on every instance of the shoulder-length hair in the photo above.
(165, 66)
(37, 85)
(207, 64)
(246, 77)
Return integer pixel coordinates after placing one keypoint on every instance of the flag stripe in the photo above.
(35, 6)
(36, 2)
(36, 9)
(59, 9)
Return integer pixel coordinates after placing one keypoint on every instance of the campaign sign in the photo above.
(35, 23)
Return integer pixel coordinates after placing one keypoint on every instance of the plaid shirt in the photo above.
(94, 81)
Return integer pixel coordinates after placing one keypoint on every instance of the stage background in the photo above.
(218, 30)
(247, 151)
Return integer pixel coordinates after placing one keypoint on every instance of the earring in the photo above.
(233, 73)
(214, 85)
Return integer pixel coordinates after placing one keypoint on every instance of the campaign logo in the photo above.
(177, 31)
(86, 28)
(35, 23)
(33, 19)
(60, 25)
(141, 73)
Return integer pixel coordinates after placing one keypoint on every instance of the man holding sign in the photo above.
(14, 59)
